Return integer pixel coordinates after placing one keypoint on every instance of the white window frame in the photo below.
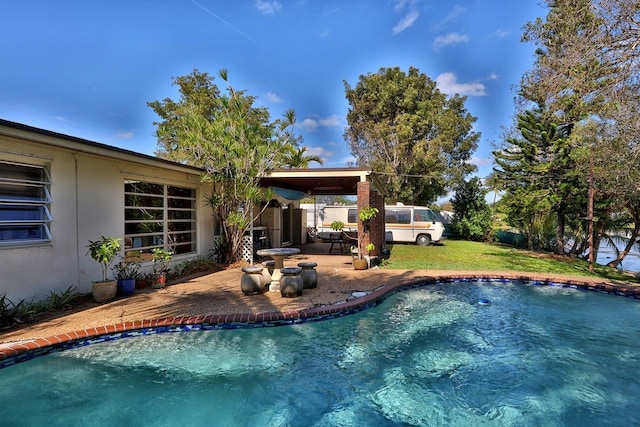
(9, 238)
(166, 236)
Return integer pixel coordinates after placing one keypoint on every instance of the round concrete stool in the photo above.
(267, 270)
(291, 282)
(309, 274)
(251, 282)
(269, 265)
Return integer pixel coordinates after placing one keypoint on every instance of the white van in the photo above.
(402, 223)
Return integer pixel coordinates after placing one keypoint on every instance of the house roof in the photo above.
(320, 181)
(30, 133)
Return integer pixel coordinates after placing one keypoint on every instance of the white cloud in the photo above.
(450, 39)
(451, 18)
(493, 76)
(272, 97)
(448, 83)
(268, 8)
(63, 119)
(126, 135)
(481, 161)
(400, 4)
(406, 22)
(455, 12)
(321, 152)
(313, 123)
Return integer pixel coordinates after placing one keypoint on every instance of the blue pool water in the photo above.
(532, 356)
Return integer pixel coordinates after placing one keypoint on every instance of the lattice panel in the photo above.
(246, 248)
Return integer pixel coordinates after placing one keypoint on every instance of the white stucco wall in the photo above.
(87, 192)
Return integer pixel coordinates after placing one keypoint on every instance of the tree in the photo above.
(586, 75)
(231, 139)
(472, 218)
(539, 162)
(296, 158)
(417, 140)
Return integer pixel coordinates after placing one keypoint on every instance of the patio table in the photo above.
(278, 255)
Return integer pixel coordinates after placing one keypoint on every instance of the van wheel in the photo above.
(423, 240)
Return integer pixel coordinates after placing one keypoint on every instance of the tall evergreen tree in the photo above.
(539, 162)
(472, 218)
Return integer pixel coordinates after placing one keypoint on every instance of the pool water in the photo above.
(531, 356)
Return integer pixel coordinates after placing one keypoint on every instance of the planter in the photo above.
(126, 287)
(359, 263)
(291, 283)
(158, 281)
(141, 284)
(104, 291)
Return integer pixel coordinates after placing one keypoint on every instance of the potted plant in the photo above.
(104, 251)
(365, 215)
(141, 280)
(126, 273)
(337, 225)
(161, 260)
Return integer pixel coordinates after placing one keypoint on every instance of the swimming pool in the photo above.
(535, 355)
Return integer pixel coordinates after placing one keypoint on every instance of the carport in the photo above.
(361, 182)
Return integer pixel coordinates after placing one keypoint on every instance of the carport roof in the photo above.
(320, 181)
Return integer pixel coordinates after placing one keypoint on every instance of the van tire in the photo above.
(423, 240)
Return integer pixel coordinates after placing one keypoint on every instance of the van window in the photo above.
(424, 215)
(352, 216)
(397, 216)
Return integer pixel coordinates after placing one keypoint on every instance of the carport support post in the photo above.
(368, 196)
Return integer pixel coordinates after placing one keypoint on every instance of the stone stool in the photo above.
(309, 274)
(269, 265)
(267, 271)
(291, 282)
(251, 282)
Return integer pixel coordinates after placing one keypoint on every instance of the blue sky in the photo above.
(88, 68)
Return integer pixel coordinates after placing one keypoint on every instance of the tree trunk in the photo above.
(597, 238)
(560, 230)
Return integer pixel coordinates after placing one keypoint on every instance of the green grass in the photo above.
(469, 256)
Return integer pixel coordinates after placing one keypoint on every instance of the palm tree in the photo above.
(296, 158)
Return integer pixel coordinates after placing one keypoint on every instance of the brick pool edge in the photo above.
(20, 351)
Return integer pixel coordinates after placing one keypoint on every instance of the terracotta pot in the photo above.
(158, 281)
(359, 263)
(141, 284)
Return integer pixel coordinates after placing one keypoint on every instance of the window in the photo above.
(397, 216)
(424, 215)
(24, 204)
(352, 216)
(159, 216)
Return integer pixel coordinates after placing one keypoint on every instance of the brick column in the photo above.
(369, 197)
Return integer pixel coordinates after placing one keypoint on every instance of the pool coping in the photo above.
(20, 351)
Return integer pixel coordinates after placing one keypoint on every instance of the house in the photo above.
(57, 192)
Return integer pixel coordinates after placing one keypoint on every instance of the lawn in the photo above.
(467, 256)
